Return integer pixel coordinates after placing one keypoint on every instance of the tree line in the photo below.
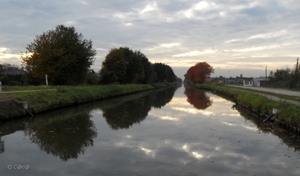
(123, 65)
(285, 78)
(65, 56)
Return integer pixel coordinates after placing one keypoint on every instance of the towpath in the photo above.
(19, 91)
(273, 90)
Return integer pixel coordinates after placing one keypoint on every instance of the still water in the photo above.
(175, 131)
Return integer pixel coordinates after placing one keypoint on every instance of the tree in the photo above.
(163, 73)
(114, 67)
(124, 65)
(199, 72)
(63, 54)
(281, 75)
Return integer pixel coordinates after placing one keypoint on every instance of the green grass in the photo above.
(62, 96)
(287, 97)
(288, 113)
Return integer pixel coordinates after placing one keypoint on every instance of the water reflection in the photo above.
(65, 135)
(174, 138)
(127, 113)
(292, 140)
(161, 98)
(197, 98)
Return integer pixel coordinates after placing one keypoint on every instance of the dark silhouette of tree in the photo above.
(281, 75)
(114, 67)
(124, 65)
(163, 73)
(125, 115)
(63, 54)
(161, 98)
(197, 98)
(199, 72)
(66, 138)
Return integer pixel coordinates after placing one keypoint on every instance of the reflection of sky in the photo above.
(174, 140)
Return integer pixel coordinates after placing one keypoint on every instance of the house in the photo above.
(231, 80)
(259, 81)
(13, 71)
(207, 79)
(247, 81)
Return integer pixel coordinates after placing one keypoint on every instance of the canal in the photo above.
(174, 131)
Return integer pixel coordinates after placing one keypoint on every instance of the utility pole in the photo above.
(266, 73)
(297, 70)
(46, 77)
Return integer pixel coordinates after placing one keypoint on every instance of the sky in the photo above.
(234, 36)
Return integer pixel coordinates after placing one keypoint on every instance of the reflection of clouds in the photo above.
(194, 111)
(207, 113)
(249, 128)
(180, 104)
(229, 124)
(192, 144)
(148, 151)
(233, 114)
(179, 101)
(188, 110)
(194, 154)
(161, 116)
(197, 155)
(169, 118)
(243, 126)
(119, 144)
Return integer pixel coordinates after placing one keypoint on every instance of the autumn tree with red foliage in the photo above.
(199, 72)
(197, 98)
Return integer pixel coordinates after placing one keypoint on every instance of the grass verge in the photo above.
(42, 100)
(288, 113)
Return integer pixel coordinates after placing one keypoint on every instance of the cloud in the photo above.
(5, 54)
(195, 53)
(171, 31)
(149, 8)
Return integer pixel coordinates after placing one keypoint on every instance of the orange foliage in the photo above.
(199, 72)
(197, 98)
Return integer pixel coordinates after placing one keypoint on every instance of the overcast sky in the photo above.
(234, 36)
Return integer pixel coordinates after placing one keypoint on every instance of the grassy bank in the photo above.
(288, 113)
(41, 100)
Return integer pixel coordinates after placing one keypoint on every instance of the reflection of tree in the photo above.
(161, 98)
(134, 111)
(125, 115)
(291, 140)
(197, 98)
(63, 137)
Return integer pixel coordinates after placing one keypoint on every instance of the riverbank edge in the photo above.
(22, 104)
(287, 115)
